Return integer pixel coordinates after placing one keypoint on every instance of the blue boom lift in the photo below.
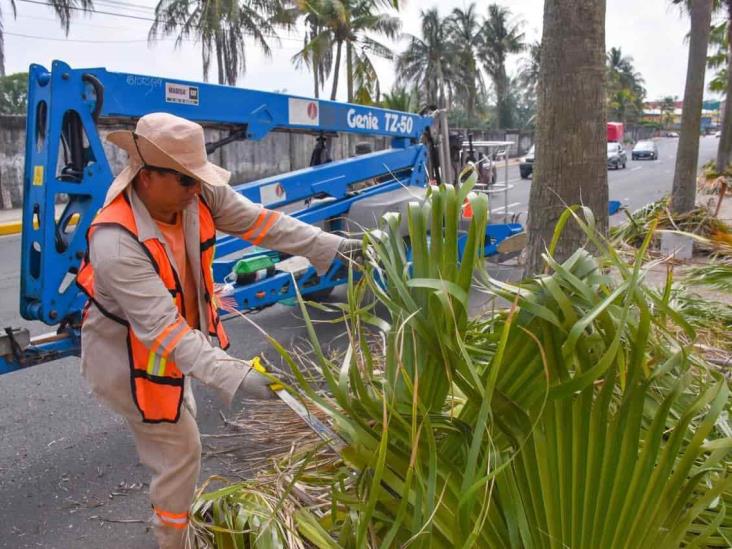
(65, 159)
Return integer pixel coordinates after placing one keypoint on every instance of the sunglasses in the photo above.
(183, 179)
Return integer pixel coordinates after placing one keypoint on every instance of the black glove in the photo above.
(350, 250)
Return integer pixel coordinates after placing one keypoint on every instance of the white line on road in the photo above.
(637, 168)
(511, 205)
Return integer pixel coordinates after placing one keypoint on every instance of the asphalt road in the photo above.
(68, 466)
(642, 181)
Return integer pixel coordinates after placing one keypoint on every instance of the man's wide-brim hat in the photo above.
(163, 140)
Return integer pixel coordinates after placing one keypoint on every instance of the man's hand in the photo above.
(256, 385)
(351, 251)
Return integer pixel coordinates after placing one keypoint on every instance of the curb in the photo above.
(14, 227)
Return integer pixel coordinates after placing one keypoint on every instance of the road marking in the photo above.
(635, 169)
(496, 210)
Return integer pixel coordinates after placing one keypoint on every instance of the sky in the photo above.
(650, 31)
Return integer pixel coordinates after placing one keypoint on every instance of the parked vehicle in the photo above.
(644, 149)
(672, 134)
(615, 132)
(616, 156)
(526, 167)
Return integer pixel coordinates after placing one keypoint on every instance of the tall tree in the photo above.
(222, 27)
(625, 90)
(316, 53)
(428, 60)
(14, 93)
(683, 193)
(667, 108)
(464, 32)
(63, 9)
(348, 25)
(571, 156)
(724, 152)
(500, 37)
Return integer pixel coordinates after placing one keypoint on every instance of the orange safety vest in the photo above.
(157, 383)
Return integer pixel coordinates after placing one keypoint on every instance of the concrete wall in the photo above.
(247, 160)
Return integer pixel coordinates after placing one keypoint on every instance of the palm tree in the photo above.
(464, 29)
(683, 193)
(667, 108)
(63, 9)
(222, 27)
(529, 71)
(316, 53)
(571, 157)
(399, 99)
(626, 92)
(350, 23)
(500, 38)
(428, 62)
(724, 152)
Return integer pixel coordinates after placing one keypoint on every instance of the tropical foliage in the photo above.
(578, 415)
(14, 93)
(222, 27)
(455, 58)
(64, 10)
(346, 27)
(625, 90)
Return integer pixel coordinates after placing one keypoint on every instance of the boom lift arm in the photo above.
(65, 159)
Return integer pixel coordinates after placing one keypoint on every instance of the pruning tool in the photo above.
(317, 426)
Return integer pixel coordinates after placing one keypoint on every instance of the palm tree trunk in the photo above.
(349, 71)
(502, 106)
(724, 152)
(220, 58)
(683, 193)
(316, 83)
(571, 157)
(336, 70)
(2, 52)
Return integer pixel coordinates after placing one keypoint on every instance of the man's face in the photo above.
(164, 192)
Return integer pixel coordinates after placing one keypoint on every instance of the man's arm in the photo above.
(125, 276)
(236, 215)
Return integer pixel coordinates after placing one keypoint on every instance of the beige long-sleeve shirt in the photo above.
(127, 286)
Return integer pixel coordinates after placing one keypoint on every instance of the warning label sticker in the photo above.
(38, 175)
(181, 93)
(303, 112)
(274, 192)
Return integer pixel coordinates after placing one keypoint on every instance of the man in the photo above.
(151, 313)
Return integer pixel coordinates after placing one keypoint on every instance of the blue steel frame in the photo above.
(52, 246)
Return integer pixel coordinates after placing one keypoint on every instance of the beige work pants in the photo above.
(172, 451)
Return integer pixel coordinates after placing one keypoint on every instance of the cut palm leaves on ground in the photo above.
(712, 233)
(574, 417)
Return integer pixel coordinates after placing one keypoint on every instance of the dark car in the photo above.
(616, 156)
(526, 167)
(644, 149)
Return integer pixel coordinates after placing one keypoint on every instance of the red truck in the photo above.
(615, 132)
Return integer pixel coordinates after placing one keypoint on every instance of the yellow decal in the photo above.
(38, 175)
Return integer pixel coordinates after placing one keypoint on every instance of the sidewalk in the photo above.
(11, 220)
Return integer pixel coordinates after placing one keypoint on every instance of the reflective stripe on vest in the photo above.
(157, 383)
(174, 520)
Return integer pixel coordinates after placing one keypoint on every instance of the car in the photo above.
(644, 149)
(616, 156)
(526, 166)
(672, 134)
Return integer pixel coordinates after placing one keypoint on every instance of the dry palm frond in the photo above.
(716, 274)
(698, 222)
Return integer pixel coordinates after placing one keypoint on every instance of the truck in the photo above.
(615, 132)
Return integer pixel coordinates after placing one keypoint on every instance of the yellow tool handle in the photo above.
(257, 365)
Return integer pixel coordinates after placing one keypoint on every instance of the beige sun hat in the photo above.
(165, 141)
